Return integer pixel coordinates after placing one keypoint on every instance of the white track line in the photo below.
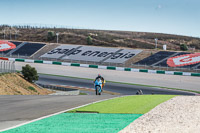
(55, 114)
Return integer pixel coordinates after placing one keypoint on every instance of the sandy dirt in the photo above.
(14, 84)
(178, 115)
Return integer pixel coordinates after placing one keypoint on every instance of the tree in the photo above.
(29, 73)
(89, 40)
(51, 35)
(183, 47)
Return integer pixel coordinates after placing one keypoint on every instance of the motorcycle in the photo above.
(98, 86)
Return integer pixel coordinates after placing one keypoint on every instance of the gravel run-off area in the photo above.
(180, 114)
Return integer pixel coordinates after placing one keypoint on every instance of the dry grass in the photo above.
(107, 38)
(14, 84)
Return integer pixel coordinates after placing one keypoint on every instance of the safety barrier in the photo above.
(65, 90)
(7, 66)
(104, 67)
(54, 87)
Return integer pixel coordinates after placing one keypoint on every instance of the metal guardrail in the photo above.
(7, 66)
(54, 87)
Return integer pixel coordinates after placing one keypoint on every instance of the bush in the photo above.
(51, 35)
(183, 47)
(89, 40)
(29, 73)
(32, 88)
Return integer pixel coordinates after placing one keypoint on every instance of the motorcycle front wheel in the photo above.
(97, 90)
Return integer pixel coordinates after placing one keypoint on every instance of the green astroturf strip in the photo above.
(78, 123)
(140, 104)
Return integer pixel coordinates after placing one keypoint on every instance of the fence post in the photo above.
(14, 66)
(1, 67)
(4, 67)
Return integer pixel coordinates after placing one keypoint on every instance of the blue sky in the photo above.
(180, 17)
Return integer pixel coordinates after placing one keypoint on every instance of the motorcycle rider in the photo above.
(102, 79)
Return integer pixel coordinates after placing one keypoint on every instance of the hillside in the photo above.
(128, 39)
(14, 84)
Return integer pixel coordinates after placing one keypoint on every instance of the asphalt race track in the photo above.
(170, 81)
(18, 109)
(123, 89)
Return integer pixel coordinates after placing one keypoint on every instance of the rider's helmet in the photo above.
(99, 75)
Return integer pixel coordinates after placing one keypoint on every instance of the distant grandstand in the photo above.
(28, 49)
(160, 59)
(94, 55)
(70, 53)
(91, 53)
(23, 49)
